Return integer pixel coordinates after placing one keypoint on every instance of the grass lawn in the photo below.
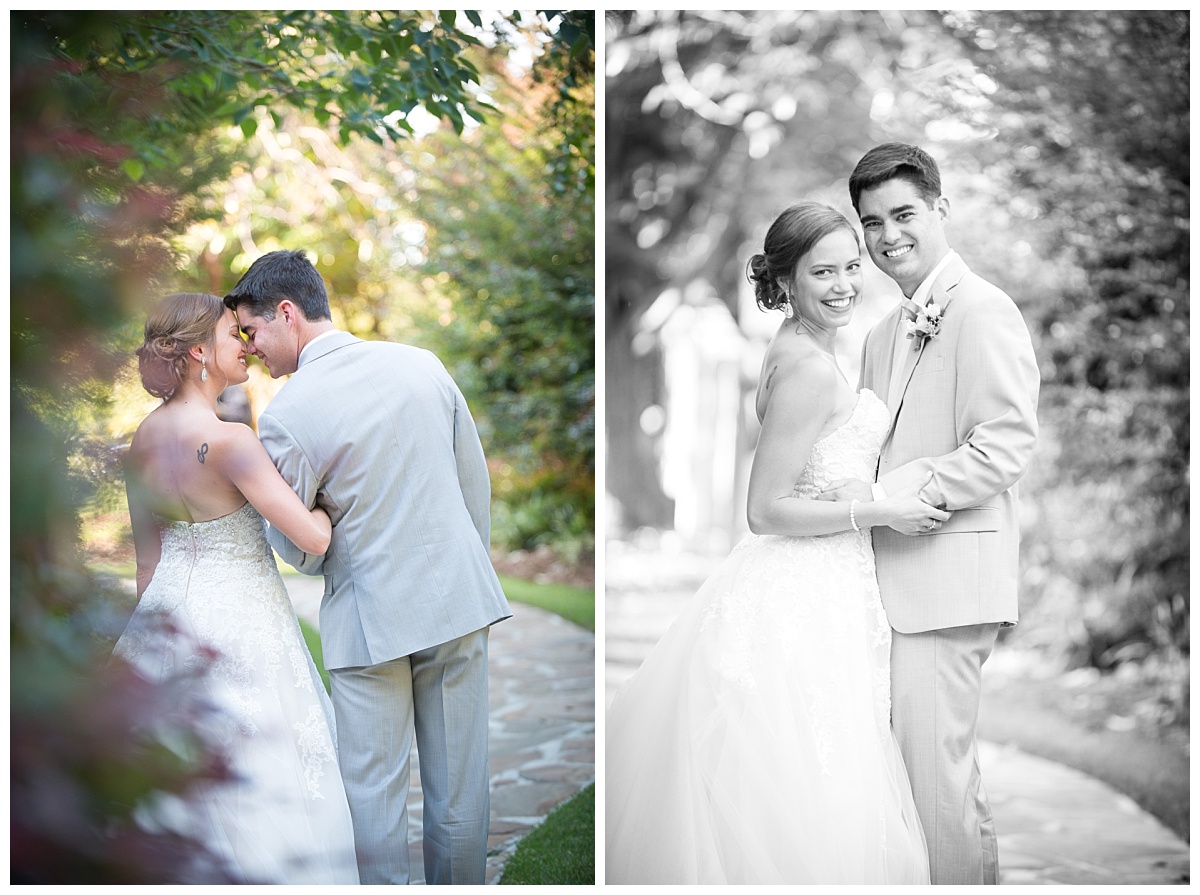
(562, 850)
(313, 639)
(575, 604)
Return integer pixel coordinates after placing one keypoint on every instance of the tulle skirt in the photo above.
(753, 745)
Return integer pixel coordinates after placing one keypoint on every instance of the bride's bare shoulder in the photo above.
(152, 433)
(796, 374)
(166, 432)
(796, 361)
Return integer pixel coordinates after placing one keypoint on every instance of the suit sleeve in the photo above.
(293, 465)
(473, 478)
(995, 413)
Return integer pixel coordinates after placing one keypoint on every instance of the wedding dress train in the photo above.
(754, 743)
(217, 599)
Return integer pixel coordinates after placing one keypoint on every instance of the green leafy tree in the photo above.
(409, 241)
(510, 251)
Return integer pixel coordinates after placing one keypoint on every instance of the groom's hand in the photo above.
(846, 489)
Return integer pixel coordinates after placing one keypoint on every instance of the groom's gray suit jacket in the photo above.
(380, 437)
(968, 416)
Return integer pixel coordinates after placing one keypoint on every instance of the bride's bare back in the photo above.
(187, 465)
(173, 461)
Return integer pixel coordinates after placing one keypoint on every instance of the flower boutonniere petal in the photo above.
(922, 323)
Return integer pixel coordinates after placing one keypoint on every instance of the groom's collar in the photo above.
(942, 288)
(921, 296)
(328, 341)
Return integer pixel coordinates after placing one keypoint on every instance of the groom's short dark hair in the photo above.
(278, 275)
(892, 161)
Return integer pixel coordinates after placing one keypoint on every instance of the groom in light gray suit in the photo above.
(955, 364)
(379, 435)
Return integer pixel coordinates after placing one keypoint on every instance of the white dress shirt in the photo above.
(313, 341)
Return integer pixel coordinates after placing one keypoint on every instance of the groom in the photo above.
(962, 391)
(379, 436)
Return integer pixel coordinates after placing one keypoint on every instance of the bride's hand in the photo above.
(912, 516)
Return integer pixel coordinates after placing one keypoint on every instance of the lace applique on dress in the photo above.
(753, 745)
(317, 749)
(786, 587)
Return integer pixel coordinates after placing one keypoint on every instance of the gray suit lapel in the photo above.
(942, 293)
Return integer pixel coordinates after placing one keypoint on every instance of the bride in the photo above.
(211, 601)
(754, 745)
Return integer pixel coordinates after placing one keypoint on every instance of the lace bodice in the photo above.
(235, 538)
(218, 586)
(850, 451)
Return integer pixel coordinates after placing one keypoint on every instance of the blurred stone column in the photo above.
(703, 350)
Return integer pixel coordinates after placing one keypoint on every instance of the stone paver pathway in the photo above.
(542, 736)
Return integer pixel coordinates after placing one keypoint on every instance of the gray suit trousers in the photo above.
(441, 694)
(936, 679)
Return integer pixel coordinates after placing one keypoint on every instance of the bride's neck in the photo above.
(198, 394)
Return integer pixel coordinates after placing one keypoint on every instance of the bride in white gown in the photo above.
(212, 602)
(754, 743)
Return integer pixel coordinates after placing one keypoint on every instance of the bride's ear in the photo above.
(196, 353)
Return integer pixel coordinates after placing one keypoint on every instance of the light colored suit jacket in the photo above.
(380, 437)
(968, 414)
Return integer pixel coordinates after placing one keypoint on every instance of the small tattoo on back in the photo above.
(203, 450)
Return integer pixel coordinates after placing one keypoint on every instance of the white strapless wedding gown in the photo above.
(754, 743)
(285, 818)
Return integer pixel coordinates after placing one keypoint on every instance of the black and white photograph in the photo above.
(896, 436)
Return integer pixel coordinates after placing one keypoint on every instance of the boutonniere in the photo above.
(922, 323)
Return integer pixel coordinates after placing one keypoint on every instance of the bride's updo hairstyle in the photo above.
(792, 236)
(179, 323)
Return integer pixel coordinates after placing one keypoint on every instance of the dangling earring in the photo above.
(788, 310)
(203, 370)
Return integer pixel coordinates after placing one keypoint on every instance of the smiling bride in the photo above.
(754, 745)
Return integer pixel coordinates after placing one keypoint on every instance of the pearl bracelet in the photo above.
(853, 523)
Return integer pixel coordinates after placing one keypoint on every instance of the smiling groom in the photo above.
(955, 364)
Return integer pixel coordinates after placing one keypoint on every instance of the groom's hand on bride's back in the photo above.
(846, 489)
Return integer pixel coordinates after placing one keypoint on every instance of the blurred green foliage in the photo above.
(1063, 143)
(1096, 106)
(128, 130)
(512, 234)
